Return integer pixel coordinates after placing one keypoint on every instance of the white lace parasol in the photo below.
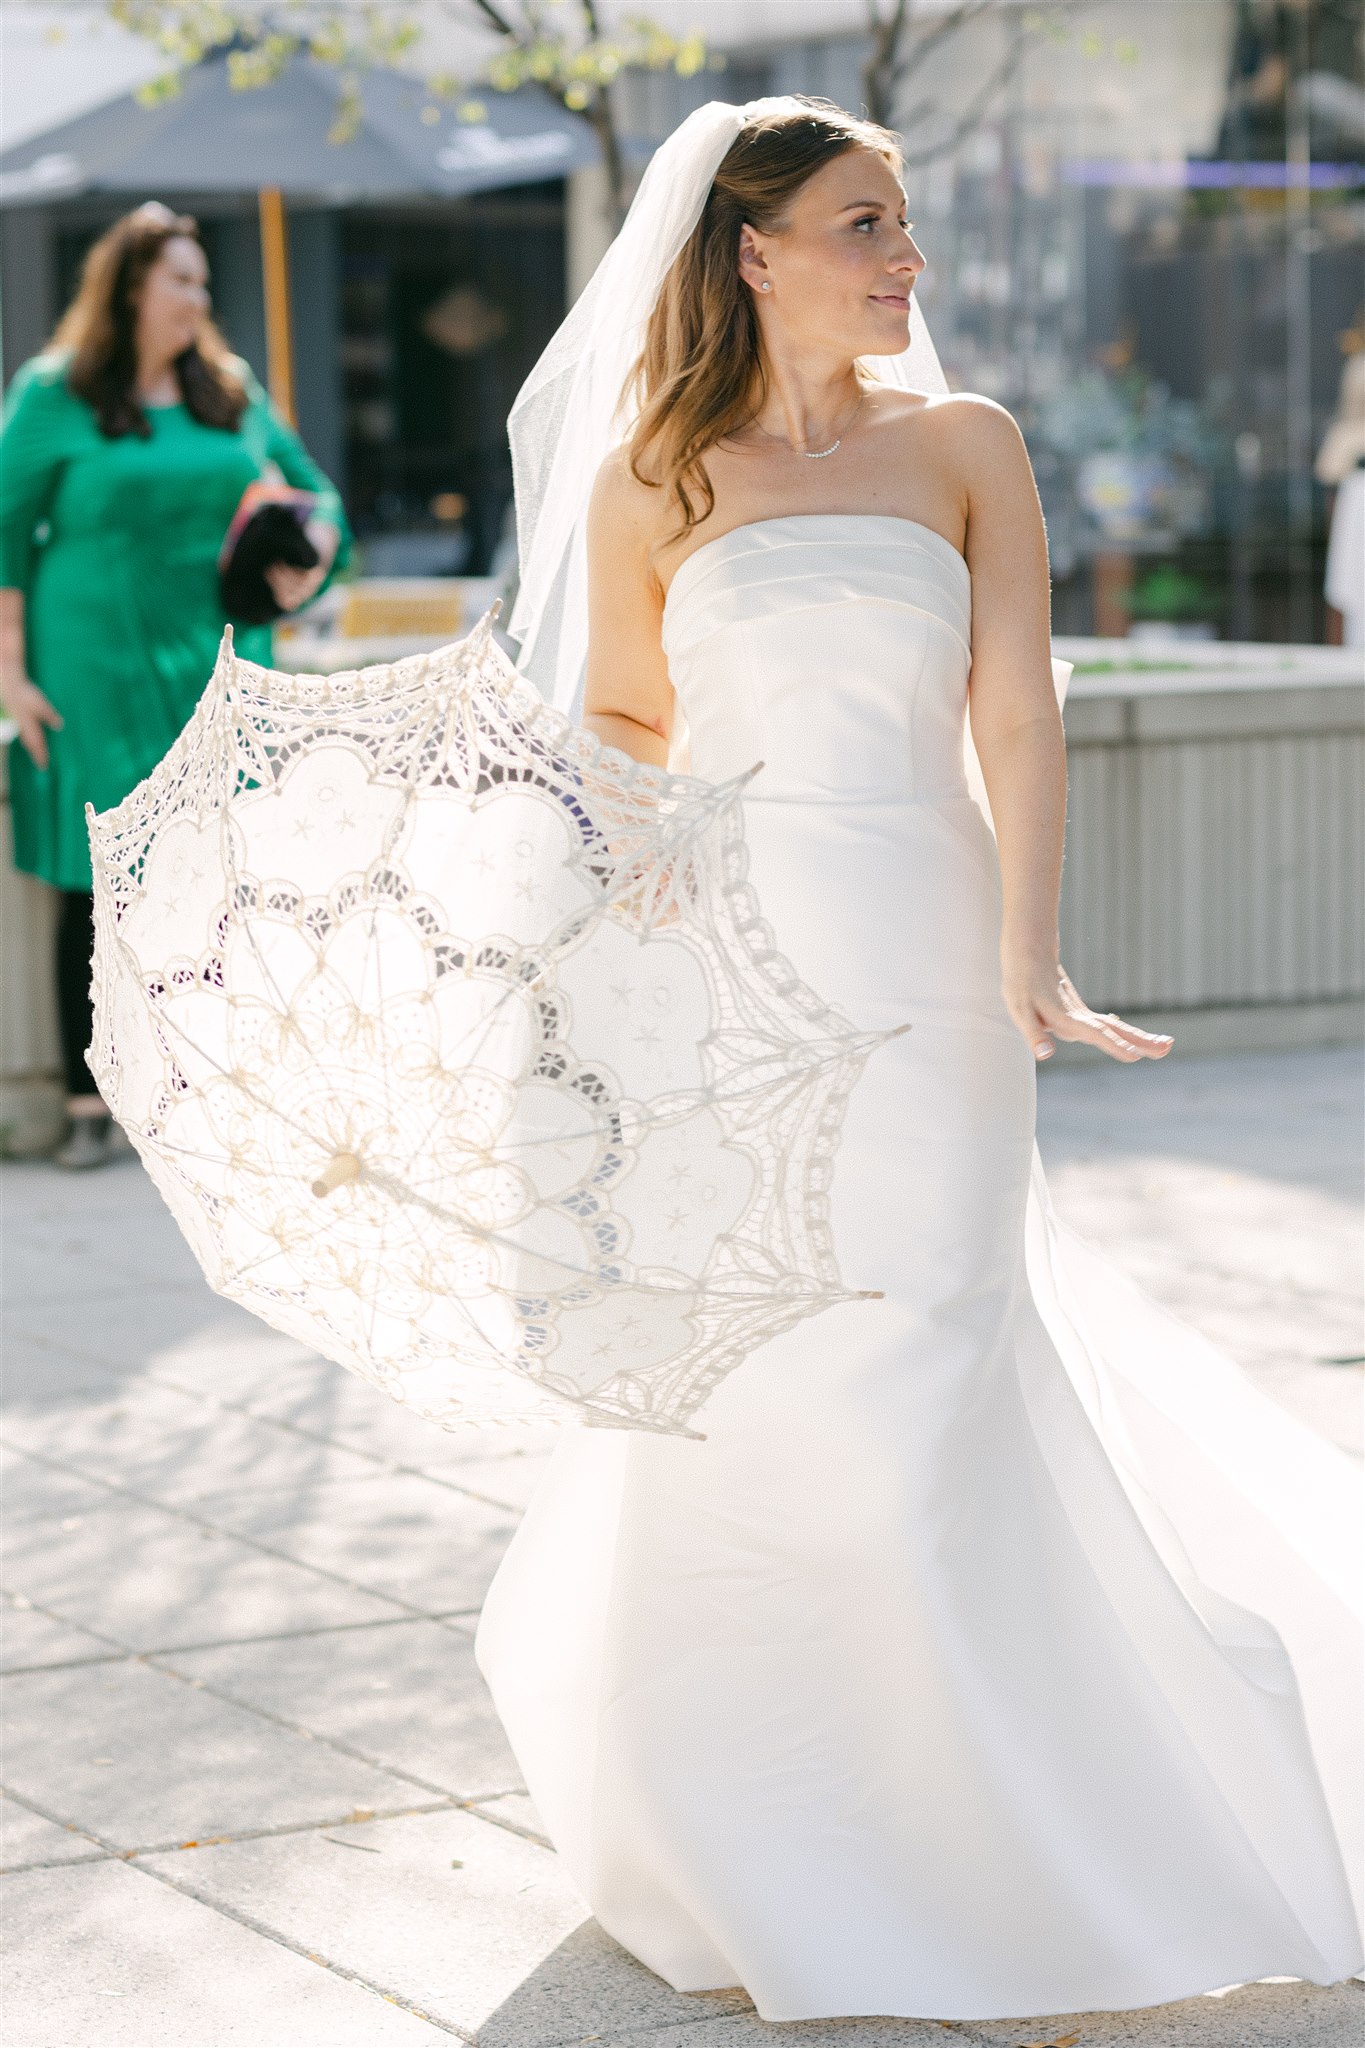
(458, 1047)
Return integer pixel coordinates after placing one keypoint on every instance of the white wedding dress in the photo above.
(993, 1654)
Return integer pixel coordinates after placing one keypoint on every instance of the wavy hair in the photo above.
(700, 374)
(100, 329)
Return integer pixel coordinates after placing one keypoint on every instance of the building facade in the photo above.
(1146, 235)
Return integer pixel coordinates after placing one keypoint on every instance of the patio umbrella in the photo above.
(458, 1047)
(274, 141)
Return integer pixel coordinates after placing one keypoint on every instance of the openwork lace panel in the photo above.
(458, 1046)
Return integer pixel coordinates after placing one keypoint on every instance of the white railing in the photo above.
(1215, 869)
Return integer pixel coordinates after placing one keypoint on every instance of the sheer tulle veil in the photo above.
(570, 412)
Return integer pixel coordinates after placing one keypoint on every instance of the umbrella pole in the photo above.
(279, 341)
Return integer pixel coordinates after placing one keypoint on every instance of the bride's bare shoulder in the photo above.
(971, 425)
(964, 416)
(624, 510)
(970, 442)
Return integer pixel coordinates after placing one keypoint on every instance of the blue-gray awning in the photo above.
(211, 138)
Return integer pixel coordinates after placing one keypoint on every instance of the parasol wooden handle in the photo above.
(340, 1170)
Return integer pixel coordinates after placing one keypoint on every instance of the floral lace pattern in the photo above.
(458, 1047)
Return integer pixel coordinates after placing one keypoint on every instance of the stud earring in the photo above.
(766, 285)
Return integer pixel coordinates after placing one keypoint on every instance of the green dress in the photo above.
(114, 544)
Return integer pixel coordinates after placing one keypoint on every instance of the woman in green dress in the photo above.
(124, 453)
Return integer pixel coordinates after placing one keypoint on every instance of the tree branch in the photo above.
(900, 46)
(929, 38)
(972, 113)
(494, 16)
(879, 68)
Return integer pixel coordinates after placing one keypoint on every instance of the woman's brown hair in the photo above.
(700, 373)
(100, 329)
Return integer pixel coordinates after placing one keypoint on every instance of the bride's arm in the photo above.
(1017, 731)
(628, 697)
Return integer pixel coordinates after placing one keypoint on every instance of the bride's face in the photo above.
(840, 274)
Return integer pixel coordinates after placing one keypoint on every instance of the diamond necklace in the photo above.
(814, 454)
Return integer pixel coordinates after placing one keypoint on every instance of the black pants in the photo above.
(75, 1012)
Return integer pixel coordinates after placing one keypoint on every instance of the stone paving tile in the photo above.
(1255, 1310)
(34, 1492)
(188, 1323)
(106, 1956)
(168, 1446)
(232, 1367)
(746, 2030)
(37, 1376)
(1294, 1115)
(30, 1639)
(516, 1809)
(395, 1533)
(39, 1273)
(407, 1695)
(140, 1758)
(1230, 1190)
(501, 1944)
(1285, 2014)
(26, 1838)
(1262, 1325)
(508, 1481)
(1328, 1400)
(1229, 1260)
(343, 1408)
(146, 1579)
(117, 1229)
(1270, 2015)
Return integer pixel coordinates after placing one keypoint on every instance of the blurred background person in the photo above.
(1341, 464)
(125, 450)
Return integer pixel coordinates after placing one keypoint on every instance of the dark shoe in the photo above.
(87, 1143)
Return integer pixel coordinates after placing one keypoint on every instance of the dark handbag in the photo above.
(266, 531)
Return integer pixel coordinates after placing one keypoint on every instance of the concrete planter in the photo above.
(31, 1097)
(1215, 851)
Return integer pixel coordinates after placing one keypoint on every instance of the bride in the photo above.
(990, 1655)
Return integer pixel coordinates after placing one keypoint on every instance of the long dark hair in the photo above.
(700, 373)
(100, 329)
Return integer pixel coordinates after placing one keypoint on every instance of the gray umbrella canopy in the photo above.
(212, 138)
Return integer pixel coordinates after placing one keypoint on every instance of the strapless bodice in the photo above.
(834, 647)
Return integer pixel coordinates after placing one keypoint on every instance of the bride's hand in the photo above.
(1045, 1006)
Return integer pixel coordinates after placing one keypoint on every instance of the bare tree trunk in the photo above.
(880, 69)
(599, 114)
(602, 116)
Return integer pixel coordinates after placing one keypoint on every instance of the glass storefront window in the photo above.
(442, 315)
(1153, 251)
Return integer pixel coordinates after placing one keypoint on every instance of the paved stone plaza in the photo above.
(256, 1793)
